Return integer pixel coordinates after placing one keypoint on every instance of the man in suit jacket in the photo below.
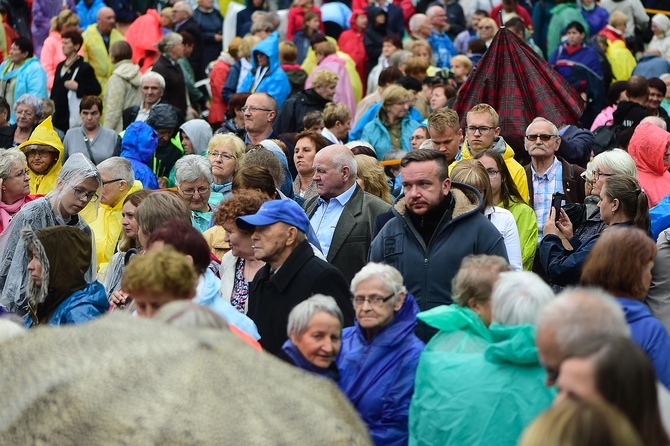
(343, 215)
(182, 14)
(292, 272)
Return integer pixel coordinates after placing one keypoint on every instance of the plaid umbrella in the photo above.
(521, 86)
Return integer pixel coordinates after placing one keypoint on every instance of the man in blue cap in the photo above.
(292, 272)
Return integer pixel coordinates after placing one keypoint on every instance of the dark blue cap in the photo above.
(275, 211)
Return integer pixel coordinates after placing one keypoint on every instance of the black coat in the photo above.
(294, 109)
(88, 85)
(301, 276)
(196, 59)
(175, 86)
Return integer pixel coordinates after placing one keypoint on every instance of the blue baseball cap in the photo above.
(275, 211)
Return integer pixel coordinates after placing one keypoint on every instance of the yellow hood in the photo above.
(45, 135)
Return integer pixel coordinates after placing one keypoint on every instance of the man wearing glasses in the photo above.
(260, 112)
(483, 133)
(548, 173)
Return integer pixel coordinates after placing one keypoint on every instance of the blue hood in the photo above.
(400, 327)
(633, 309)
(139, 142)
(270, 47)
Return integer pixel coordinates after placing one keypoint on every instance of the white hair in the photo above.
(616, 160)
(389, 276)
(10, 159)
(301, 315)
(519, 297)
(579, 315)
(541, 119)
(118, 168)
(191, 168)
(657, 121)
(416, 21)
(153, 76)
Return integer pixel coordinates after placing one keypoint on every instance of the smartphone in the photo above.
(556, 202)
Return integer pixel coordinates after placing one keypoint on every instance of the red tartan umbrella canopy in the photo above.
(520, 86)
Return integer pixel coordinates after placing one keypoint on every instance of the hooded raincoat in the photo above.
(64, 296)
(88, 11)
(44, 134)
(647, 147)
(274, 81)
(377, 375)
(562, 16)
(41, 213)
(123, 91)
(377, 134)
(199, 132)
(662, 41)
(344, 92)
(138, 146)
(96, 54)
(503, 392)
(351, 42)
(29, 78)
(106, 225)
(142, 36)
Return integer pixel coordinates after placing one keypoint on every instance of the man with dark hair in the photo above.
(629, 113)
(657, 91)
(435, 224)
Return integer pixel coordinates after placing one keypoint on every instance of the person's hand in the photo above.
(218, 37)
(550, 225)
(118, 299)
(565, 225)
(162, 183)
(71, 85)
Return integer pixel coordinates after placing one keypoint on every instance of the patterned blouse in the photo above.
(306, 194)
(240, 287)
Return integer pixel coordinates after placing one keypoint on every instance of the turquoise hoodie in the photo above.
(30, 79)
(274, 82)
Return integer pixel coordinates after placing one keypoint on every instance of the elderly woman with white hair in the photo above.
(171, 47)
(380, 353)
(193, 175)
(79, 183)
(14, 185)
(314, 336)
(29, 110)
(660, 26)
(486, 397)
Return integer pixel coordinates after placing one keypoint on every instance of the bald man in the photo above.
(343, 215)
(98, 38)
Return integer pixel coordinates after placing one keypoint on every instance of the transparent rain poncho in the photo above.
(41, 213)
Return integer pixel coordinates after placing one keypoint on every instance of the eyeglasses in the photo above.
(402, 104)
(27, 113)
(597, 174)
(492, 173)
(224, 156)
(484, 130)
(252, 109)
(375, 301)
(81, 194)
(104, 183)
(485, 27)
(22, 174)
(543, 137)
(39, 153)
(415, 137)
(190, 192)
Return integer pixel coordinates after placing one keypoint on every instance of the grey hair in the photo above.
(187, 8)
(616, 160)
(656, 120)
(416, 21)
(9, 159)
(579, 315)
(345, 159)
(262, 25)
(519, 297)
(664, 76)
(153, 76)
(118, 168)
(32, 100)
(301, 315)
(390, 278)
(168, 41)
(259, 15)
(399, 58)
(191, 168)
(541, 119)
(187, 314)
(427, 144)
(352, 144)
(394, 154)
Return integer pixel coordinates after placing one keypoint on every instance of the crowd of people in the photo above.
(295, 175)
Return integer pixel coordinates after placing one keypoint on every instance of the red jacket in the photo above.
(217, 79)
(296, 16)
(520, 11)
(351, 42)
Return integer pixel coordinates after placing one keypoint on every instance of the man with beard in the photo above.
(434, 226)
(548, 173)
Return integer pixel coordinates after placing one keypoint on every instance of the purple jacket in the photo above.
(43, 11)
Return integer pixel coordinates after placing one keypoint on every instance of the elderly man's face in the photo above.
(330, 181)
(258, 117)
(106, 20)
(549, 353)
(537, 147)
(164, 136)
(269, 242)
(151, 91)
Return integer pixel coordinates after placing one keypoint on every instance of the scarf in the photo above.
(8, 210)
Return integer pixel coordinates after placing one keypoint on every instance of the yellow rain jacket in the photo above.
(622, 60)
(45, 135)
(96, 54)
(106, 225)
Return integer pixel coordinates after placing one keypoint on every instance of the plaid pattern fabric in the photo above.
(544, 187)
(519, 86)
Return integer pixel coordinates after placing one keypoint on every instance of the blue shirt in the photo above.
(544, 187)
(327, 215)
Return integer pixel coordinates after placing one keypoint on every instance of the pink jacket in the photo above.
(605, 117)
(344, 92)
(647, 148)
